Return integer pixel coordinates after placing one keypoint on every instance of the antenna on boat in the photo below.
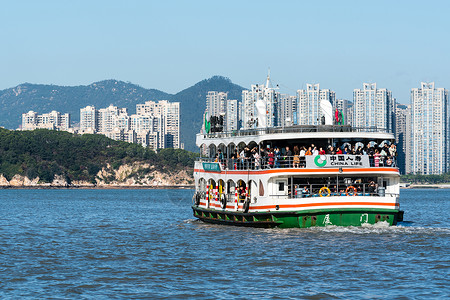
(268, 84)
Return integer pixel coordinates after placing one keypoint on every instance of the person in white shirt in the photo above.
(315, 151)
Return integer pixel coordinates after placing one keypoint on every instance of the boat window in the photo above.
(281, 186)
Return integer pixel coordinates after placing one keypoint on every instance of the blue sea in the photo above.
(145, 244)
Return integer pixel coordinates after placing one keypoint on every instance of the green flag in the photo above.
(207, 124)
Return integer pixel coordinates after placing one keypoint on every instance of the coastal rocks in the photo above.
(3, 181)
(141, 175)
(18, 181)
(59, 181)
(129, 175)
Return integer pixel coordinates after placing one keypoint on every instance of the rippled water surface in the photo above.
(146, 244)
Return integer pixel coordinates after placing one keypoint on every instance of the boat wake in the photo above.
(381, 228)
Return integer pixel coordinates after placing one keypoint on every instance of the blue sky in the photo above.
(170, 45)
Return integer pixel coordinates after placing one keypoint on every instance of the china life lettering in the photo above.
(345, 160)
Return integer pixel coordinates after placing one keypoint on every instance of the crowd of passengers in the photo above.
(286, 158)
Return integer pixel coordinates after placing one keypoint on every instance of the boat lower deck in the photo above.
(299, 219)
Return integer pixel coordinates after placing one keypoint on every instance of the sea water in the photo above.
(146, 244)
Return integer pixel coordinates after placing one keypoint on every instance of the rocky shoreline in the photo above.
(125, 177)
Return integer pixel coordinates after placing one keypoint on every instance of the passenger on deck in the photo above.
(372, 187)
(308, 152)
(257, 159)
(302, 157)
(296, 160)
(331, 150)
(376, 158)
(315, 151)
(389, 161)
(297, 191)
(241, 194)
(271, 157)
(288, 158)
(305, 191)
(277, 155)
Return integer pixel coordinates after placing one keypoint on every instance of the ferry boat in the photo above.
(288, 189)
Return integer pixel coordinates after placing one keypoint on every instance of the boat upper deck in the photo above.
(301, 132)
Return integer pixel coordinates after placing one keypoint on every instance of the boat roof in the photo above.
(293, 133)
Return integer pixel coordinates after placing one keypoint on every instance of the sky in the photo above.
(171, 45)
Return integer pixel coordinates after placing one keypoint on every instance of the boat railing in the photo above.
(356, 188)
(334, 190)
(294, 129)
(318, 190)
(264, 163)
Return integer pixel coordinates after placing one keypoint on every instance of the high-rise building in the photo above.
(108, 118)
(216, 103)
(408, 143)
(232, 116)
(171, 124)
(168, 115)
(373, 107)
(309, 107)
(53, 120)
(29, 120)
(287, 110)
(88, 119)
(155, 125)
(429, 129)
(401, 116)
(260, 106)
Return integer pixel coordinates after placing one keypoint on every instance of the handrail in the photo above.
(250, 163)
(294, 129)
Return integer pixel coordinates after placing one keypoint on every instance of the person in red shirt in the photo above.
(339, 151)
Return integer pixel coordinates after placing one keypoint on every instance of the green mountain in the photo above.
(69, 99)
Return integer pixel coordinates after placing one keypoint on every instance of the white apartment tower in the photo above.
(167, 115)
(429, 129)
(309, 109)
(408, 142)
(373, 107)
(53, 121)
(259, 106)
(216, 103)
(401, 117)
(232, 116)
(287, 110)
(155, 125)
(108, 118)
(29, 120)
(88, 119)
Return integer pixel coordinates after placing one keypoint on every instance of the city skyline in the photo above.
(340, 45)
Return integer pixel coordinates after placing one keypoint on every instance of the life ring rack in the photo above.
(223, 200)
(246, 205)
(349, 189)
(324, 192)
(197, 198)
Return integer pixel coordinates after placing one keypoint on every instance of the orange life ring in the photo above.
(351, 188)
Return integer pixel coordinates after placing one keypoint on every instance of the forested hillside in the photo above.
(44, 154)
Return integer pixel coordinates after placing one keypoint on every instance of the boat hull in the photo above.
(299, 219)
